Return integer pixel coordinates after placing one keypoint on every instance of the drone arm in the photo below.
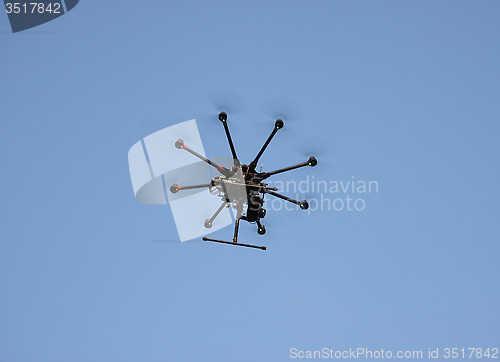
(180, 145)
(208, 222)
(303, 204)
(278, 125)
(223, 119)
(176, 188)
(311, 162)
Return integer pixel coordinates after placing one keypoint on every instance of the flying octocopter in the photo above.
(240, 186)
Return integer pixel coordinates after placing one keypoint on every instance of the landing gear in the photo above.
(262, 213)
(208, 223)
(261, 230)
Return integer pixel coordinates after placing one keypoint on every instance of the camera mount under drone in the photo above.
(242, 186)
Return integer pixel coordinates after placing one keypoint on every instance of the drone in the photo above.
(241, 186)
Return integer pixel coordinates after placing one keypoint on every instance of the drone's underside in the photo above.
(242, 187)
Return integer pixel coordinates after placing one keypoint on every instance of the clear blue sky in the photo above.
(402, 92)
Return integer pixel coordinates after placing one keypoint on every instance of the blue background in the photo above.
(402, 92)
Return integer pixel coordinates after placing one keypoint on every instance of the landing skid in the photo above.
(235, 243)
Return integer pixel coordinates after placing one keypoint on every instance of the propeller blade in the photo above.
(225, 100)
(283, 108)
(222, 100)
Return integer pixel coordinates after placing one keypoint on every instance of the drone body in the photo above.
(242, 187)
